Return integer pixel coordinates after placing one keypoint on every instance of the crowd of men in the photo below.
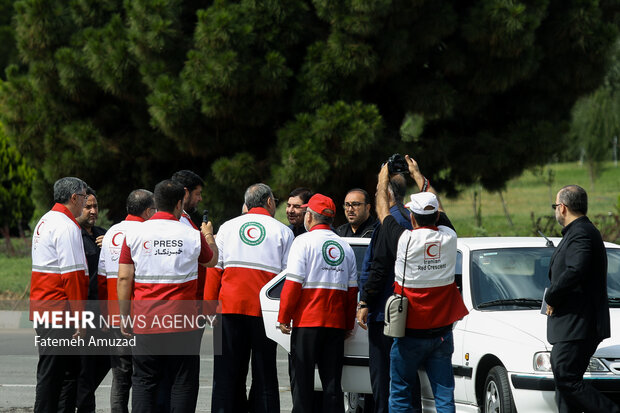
(322, 298)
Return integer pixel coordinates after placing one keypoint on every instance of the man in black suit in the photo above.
(577, 304)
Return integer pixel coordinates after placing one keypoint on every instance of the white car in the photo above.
(501, 354)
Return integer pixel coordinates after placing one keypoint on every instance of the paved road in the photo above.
(18, 369)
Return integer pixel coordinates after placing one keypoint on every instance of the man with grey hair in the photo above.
(253, 249)
(319, 296)
(140, 207)
(59, 282)
(577, 304)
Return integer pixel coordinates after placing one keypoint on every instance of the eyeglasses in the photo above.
(84, 195)
(554, 206)
(352, 204)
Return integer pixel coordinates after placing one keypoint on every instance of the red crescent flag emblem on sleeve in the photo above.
(116, 244)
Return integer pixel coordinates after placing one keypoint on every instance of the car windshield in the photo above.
(516, 278)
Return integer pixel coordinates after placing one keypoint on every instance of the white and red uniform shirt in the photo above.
(202, 271)
(429, 285)
(252, 248)
(165, 255)
(107, 274)
(321, 281)
(59, 270)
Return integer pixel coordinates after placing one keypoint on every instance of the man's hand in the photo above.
(362, 318)
(549, 310)
(99, 241)
(285, 328)
(207, 229)
(125, 327)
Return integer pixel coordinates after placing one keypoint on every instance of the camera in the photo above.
(397, 164)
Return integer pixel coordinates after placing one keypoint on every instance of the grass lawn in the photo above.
(529, 194)
(14, 271)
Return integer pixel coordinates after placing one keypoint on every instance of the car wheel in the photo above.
(352, 403)
(497, 395)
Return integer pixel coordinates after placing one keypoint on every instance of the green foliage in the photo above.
(294, 92)
(596, 118)
(16, 177)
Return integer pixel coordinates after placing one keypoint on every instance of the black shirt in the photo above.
(297, 230)
(92, 252)
(363, 231)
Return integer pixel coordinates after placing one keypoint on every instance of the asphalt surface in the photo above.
(18, 366)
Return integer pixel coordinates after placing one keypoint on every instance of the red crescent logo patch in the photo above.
(39, 227)
(249, 232)
(432, 251)
(146, 247)
(114, 239)
(329, 252)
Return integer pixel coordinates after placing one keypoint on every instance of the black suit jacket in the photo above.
(578, 290)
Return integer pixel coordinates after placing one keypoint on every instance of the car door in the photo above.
(355, 376)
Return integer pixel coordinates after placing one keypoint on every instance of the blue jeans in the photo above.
(408, 354)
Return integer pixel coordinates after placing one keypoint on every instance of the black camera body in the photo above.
(397, 164)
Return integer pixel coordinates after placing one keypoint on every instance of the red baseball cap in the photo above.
(321, 204)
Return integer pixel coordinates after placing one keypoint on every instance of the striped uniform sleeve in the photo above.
(72, 262)
(351, 291)
(102, 284)
(296, 271)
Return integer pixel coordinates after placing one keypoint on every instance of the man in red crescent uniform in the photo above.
(253, 249)
(159, 263)
(424, 273)
(59, 282)
(140, 207)
(319, 296)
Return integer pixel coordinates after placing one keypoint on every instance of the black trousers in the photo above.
(150, 368)
(323, 347)
(569, 360)
(56, 375)
(93, 369)
(121, 365)
(243, 339)
(379, 347)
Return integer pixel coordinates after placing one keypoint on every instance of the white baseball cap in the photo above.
(421, 202)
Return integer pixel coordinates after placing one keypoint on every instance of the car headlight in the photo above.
(596, 366)
(542, 363)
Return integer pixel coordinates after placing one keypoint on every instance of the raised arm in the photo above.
(423, 184)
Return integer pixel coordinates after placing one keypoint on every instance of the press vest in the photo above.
(165, 256)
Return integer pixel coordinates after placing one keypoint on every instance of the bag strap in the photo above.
(402, 286)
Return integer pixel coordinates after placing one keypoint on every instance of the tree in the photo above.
(8, 48)
(296, 92)
(596, 119)
(16, 205)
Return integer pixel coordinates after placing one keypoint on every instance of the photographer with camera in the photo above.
(424, 276)
(376, 285)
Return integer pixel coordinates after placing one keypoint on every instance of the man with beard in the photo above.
(93, 368)
(357, 210)
(294, 210)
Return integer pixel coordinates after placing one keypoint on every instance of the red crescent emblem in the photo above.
(144, 245)
(248, 232)
(329, 252)
(114, 237)
(39, 227)
(428, 250)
